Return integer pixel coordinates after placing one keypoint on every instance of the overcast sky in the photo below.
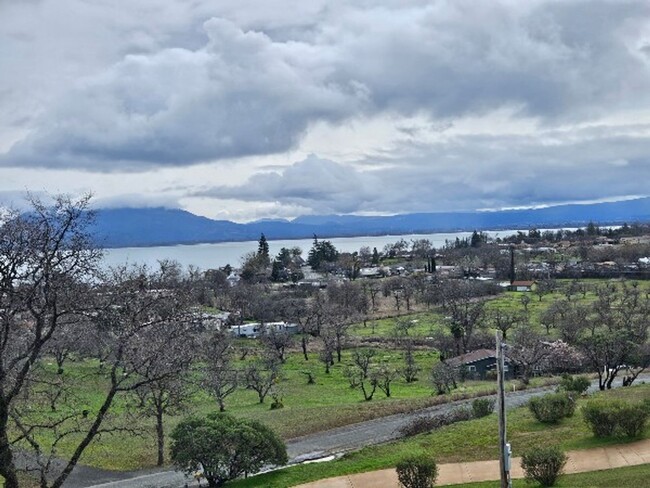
(254, 109)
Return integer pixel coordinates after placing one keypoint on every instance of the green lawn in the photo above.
(424, 324)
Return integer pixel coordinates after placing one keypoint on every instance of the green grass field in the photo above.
(308, 408)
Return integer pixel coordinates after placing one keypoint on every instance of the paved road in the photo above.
(321, 444)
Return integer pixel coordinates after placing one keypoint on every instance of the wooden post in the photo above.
(504, 461)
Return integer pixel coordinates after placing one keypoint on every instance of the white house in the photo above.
(253, 330)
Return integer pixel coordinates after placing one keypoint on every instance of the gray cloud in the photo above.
(314, 183)
(270, 71)
(464, 173)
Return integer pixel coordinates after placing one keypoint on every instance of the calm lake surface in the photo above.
(207, 256)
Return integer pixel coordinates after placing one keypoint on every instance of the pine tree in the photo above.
(263, 250)
(375, 256)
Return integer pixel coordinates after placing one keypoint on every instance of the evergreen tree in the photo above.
(375, 256)
(475, 240)
(321, 252)
(263, 250)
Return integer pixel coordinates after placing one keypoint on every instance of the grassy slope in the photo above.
(465, 441)
(308, 408)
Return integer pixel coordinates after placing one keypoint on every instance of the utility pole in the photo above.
(504, 447)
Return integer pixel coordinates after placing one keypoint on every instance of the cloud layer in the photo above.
(410, 105)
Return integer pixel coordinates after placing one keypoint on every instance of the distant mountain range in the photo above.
(125, 227)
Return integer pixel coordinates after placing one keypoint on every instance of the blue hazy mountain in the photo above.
(124, 227)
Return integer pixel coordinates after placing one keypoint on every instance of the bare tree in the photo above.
(465, 313)
(444, 377)
(326, 354)
(552, 315)
(276, 340)
(306, 316)
(49, 281)
(527, 352)
(383, 376)
(45, 258)
(359, 373)
(411, 369)
(262, 375)
(619, 334)
(164, 396)
(504, 320)
(373, 289)
(221, 377)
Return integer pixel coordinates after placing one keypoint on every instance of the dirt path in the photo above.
(457, 473)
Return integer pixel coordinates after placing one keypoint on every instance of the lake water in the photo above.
(206, 256)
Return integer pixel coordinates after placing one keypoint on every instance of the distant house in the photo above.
(374, 272)
(253, 330)
(233, 278)
(210, 321)
(523, 285)
(480, 364)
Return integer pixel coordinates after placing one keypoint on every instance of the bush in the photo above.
(574, 384)
(482, 407)
(551, 408)
(631, 420)
(543, 465)
(458, 415)
(614, 417)
(425, 424)
(600, 416)
(200, 441)
(420, 425)
(490, 376)
(417, 472)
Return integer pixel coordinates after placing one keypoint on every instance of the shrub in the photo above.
(424, 424)
(417, 472)
(458, 415)
(574, 384)
(601, 417)
(543, 465)
(420, 425)
(614, 417)
(551, 408)
(631, 420)
(482, 407)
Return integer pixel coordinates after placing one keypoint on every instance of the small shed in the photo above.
(481, 364)
(523, 285)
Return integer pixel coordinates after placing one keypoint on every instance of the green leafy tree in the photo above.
(225, 447)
